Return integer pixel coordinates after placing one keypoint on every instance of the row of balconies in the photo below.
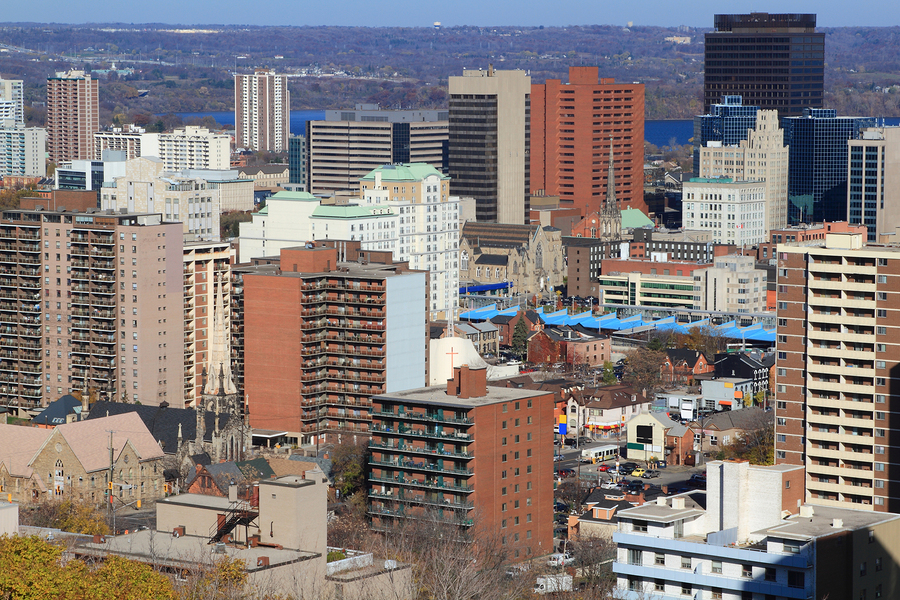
(407, 496)
(433, 433)
(421, 465)
(427, 482)
(421, 416)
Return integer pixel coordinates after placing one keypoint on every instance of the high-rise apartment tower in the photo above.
(262, 111)
(73, 115)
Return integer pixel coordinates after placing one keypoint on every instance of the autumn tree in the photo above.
(756, 443)
(705, 339)
(348, 466)
(609, 373)
(74, 516)
(642, 369)
(34, 569)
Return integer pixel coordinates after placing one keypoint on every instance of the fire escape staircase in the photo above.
(239, 513)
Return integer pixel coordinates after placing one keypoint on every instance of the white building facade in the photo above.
(23, 150)
(733, 211)
(429, 226)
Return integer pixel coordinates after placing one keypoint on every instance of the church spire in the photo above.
(218, 372)
(611, 201)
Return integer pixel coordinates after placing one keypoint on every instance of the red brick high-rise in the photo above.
(72, 116)
(467, 454)
(571, 125)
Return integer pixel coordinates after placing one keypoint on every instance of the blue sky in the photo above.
(698, 13)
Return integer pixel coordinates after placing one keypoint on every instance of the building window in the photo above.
(639, 526)
(717, 566)
(796, 579)
(862, 569)
(660, 558)
(685, 562)
(770, 573)
(685, 589)
(747, 571)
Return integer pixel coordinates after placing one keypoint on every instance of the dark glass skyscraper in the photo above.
(297, 159)
(727, 122)
(775, 62)
(817, 172)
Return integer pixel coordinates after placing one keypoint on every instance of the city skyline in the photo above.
(355, 13)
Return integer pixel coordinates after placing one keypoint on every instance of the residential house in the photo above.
(482, 335)
(720, 429)
(745, 365)
(605, 410)
(679, 445)
(571, 345)
(646, 436)
(682, 365)
(215, 479)
(506, 325)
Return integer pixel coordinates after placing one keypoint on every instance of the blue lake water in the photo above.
(659, 132)
(298, 118)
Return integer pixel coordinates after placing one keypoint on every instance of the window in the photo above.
(862, 569)
(770, 574)
(717, 566)
(685, 562)
(716, 593)
(746, 570)
(635, 557)
(685, 589)
(796, 579)
(878, 565)
(659, 585)
(661, 559)
(640, 526)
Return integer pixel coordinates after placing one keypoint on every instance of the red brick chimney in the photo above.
(468, 383)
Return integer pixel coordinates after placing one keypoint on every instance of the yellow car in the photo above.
(638, 472)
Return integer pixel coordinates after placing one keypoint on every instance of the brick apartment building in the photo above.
(325, 328)
(572, 126)
(466, 454)
(837, 370)
(87, 300)
(73, 115)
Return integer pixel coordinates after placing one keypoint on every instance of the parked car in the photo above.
(585, 440)
(650, 474)
(609, 485)
(628, 466)
(561, 507)
(569, 441)
(697, 481)
(603, 468)
(565, 472)
(558, 457)
(561, 532)
(560, 560)
(639, 472)
(561, 519)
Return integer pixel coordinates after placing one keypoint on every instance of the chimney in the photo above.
(467, 383)
(678, 503)
(837, 523)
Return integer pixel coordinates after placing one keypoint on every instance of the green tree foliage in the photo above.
(609, 373)
(69, 515)
(34, 569)
(520, 337)
(229, 223)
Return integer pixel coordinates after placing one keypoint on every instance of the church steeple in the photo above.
(218, 371)
(611, 213)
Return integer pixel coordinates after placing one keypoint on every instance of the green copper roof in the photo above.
(711, 180)
(632, 218)
(264, 211)
(405, 172)
(352, 211)
(286, 195)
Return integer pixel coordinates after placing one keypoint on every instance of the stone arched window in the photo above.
(515, 268)
(464, 260)
(539, 257)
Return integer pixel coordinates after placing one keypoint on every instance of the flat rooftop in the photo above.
(163, 549)
(822, 522)
(437, 395)
(343, 269)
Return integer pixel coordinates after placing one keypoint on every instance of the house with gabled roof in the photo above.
(682, 365)
(76, 460)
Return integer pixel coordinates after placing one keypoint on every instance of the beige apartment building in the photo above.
(873, 182)
(733, 284)
(490, 120)
(207, 272)
(190, 147)
(838, 351)
(73, 115)
(148, 187)
(87, 301)
(262, 111)
(761, 157)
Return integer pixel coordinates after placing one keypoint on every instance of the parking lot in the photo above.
(673, 476)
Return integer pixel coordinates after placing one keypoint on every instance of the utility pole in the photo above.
(109, 487)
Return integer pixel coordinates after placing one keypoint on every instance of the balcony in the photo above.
(423, 433)
(410, 465)
(429, 483)
(422, 499)
(414, 416)
(384, 512)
